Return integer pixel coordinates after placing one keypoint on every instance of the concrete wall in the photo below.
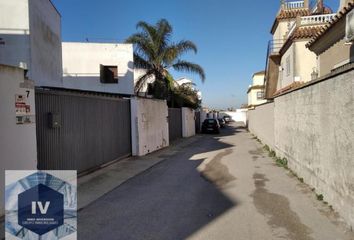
(261, 123)
(81, 66)
(31, 31)
(17, 141)
(188, 122)
(315, 132)
(45, 43)
(149, 125)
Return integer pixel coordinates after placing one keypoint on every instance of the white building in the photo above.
(100, 67)
(31, 36)
(289, 62)
(256, 90)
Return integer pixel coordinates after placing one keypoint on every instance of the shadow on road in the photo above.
(172, 200)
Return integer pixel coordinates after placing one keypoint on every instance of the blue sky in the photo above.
(231, 35)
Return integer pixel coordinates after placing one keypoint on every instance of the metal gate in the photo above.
(81, 131)
(175, 123)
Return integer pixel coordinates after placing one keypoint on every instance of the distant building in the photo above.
(30, 33)
(99, 67)
(334, 45)
(256, 90)
(289, 62)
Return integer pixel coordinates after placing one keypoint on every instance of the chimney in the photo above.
(320, 6)
(306, 4)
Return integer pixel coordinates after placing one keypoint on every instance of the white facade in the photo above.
(256, 90)
(31, 31)
(297, 64)
(17, 141)
(81, 66)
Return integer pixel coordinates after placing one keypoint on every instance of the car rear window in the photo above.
(211, 121)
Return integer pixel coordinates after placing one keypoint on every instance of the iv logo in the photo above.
(40, 209)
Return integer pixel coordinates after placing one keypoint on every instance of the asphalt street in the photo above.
(219, 187)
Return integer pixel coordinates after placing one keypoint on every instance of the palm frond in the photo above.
(189, 67)
(140, 62)
(142, 80)
(142, 45)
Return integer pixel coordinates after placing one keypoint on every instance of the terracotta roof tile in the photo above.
(328, 26)
(302, 12)
(293, 13)
(301, 33)
(306, 32)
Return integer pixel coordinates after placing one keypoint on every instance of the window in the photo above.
(288, 70)
(108, 74)
(260, 95)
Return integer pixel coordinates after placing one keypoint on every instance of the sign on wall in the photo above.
(40, 205)
(24, 108)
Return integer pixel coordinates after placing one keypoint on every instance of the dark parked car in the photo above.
(211, 125)
(222, 122)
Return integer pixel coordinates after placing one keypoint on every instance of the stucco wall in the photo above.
(305, 61)
(261, 123)
(31, 31)
(315, 132)
(81, 66)
(149, 125)
(17, 142)
(188, 122)
(336, 54)
(252, 97)
(45, 44)
(282, 29)
(302, 63)
(284, 78)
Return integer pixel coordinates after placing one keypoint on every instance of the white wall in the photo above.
(188, 122)
(240, 115)
(305, 61)
(31, 31)
(17, 142)
(302, 62)
(81, 66)
(253, 99)
(149, 125)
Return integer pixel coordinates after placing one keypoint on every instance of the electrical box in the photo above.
(54, 120)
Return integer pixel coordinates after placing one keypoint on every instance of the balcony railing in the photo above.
(274, 46)
(294, 5)
(317, 19)
(310, 20)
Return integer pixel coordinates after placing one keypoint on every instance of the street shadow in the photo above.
(172, 200)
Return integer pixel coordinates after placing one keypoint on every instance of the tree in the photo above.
(156, 54)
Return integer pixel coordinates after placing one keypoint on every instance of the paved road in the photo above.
(221, 187)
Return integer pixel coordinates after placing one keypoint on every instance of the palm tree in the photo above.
(156, 54)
